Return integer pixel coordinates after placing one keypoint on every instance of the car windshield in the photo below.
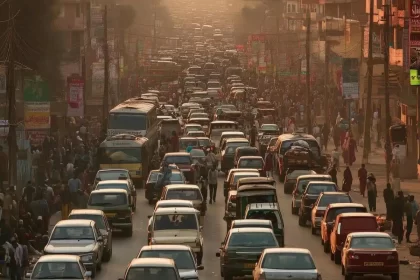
(111, 175)
(334, 212)
(288, 261)
(57, 270)
(120, 155)
(178, 159)
(304, 182)
(252, 239)
(112, 186)
(247, 152)
(151, 273)
(318, 188)
(175, 222)
(175, 177)
(184, 194)
(78, 233)
(98, 219)
(127, 121)
(271, 215)
(183, 258)
(372, 243)
(296, 173)
(107, 199)
(184, 143)
(328, 199)
(193, 128)
(231, 147)
(236, 177)
(251, 163)
(197, 153)
(269, 127)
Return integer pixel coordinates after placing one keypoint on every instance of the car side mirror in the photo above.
(218, 254)
(149, 216)
(88, 273)
(200, 267)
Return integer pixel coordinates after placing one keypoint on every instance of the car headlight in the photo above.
(86, 258)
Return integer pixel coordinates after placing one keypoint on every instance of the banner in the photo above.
(35, 90)
(377, 45)
(36, 137)
(414, 42)
(37, 115)
(75, 105)
(350, 77)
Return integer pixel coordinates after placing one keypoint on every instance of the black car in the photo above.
(152, 194)
(310, 195)
(228, 150)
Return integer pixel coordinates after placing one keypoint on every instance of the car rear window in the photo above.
(154, 272)
(204, 142)
(178, 159)
(251, 163)
(252, 239)
(328, 199)
(186, 194)
(334, 212)
(231, 147)
(98, 219)
(296, 173)
(372, 243)
(236, 177)
(359, 223)
(252, 225)
(313, 145)
(305, 182)
(318, 188)
(184, 143)
(112, 186)
(248, 152)
(175, 222)
(112, 175)
(182, 258)
(104, 199)
(175, 177)
(288, 261)
(271, 215)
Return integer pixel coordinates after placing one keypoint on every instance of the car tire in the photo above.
(129, 232)
(337, 257)
(150, 201)
(331, 255)
(94, 272)
(348, 277)
(200, 257)
(301, 221)
(313, 230)
(343, 271)
(327, 247)
(227, 276)
(107, 255)
(395, 276)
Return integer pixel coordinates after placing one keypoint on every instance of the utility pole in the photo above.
(326, 82)
(106, 69)
(278, 46)
(308, 72)
(84, 83)
(386, 73)
(154, 51)
(12, 104)
(368, 109)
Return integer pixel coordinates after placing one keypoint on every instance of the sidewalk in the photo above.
(377, 166)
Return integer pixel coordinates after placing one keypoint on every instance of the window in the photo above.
(372, 243)
(127, 121)
(251, 163)
(317, 189)
(334, 212)
(57, 270)
(183, 259)
(151, 273)
(184, 143)
(176, 222)
(101, 199)
(177, 159)
(113, 186)
(328, 199)
(271, 215)
(252, 239)
(288, 261)
(120, 155)
(185, 194)
(98, 219)
(69, 233)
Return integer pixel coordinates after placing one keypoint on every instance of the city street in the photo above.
(124, 249)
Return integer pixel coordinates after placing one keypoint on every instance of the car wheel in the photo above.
(226, 275)
(348, 277)
(337, 257)
(107, 255)
(396, 276)
(327, 247)
(200, 258)
(150, 201)
(94, 271)
(313, 230)
(129, 232)
(302, 221)
(343, 271)
(331, 255)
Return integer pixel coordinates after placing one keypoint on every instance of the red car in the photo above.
(184, 162)
(369, 253)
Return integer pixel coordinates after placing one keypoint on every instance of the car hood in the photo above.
(280, 274)
(70, 246)
(188, 274)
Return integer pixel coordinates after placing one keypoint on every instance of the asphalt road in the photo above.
(125, 249)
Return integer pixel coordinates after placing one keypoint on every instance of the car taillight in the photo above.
(394, 256)
(352, 256)
(319, 213)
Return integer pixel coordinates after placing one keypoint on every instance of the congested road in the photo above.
(125, 249)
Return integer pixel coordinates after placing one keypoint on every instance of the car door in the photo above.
(257, 271)
(223, 248)
(313, 211)
(108, 229)
(346, 247)
(101, 243)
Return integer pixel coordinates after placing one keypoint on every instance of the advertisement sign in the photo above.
(406, 46)
(36, 137)
(75, 105)
(35, 90)
(3, 78)
(414, 42)
(37, 115)
(98, 78)
(377, 48)
(350, 77)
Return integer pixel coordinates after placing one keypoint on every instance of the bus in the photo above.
(125, 151)
(135, 117)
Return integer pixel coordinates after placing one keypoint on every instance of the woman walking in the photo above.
(268, 164)
(347, 180)
(372, 192)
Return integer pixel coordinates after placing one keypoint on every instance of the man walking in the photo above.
(389, 200)
(397, 216)
(362, 173)
(212, 177)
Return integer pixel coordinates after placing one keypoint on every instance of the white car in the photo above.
(59, 267)
(286, 263)
(151, 268)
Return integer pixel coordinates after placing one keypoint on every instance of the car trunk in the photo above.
(280, 274)
(373, 258)
(248, 256)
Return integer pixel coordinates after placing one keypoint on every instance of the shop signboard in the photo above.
(37, 115)
(35, 90)
(75, 88)
(350, 78)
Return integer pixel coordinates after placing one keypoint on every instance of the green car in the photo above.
(242, 248)
(117, 206)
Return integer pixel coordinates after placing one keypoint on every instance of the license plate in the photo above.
(374, 263)
(249, 265)
(110, 215)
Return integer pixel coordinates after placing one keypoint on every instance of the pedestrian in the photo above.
(18, 258)
(333, 173)
(397, 216)
(408, 209)
(268, 164)
(7, 206)
(347, 180)
(362, 173)
(212, 177)
(336, 159)
(28, 193)
(74, 186)
(417, 223)
(389, 201)
(65, 197)
(253, 135)
(325, 135)
(372, 192)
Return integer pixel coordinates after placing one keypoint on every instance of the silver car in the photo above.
(182, 255)
(59, 267)
(286, 263)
